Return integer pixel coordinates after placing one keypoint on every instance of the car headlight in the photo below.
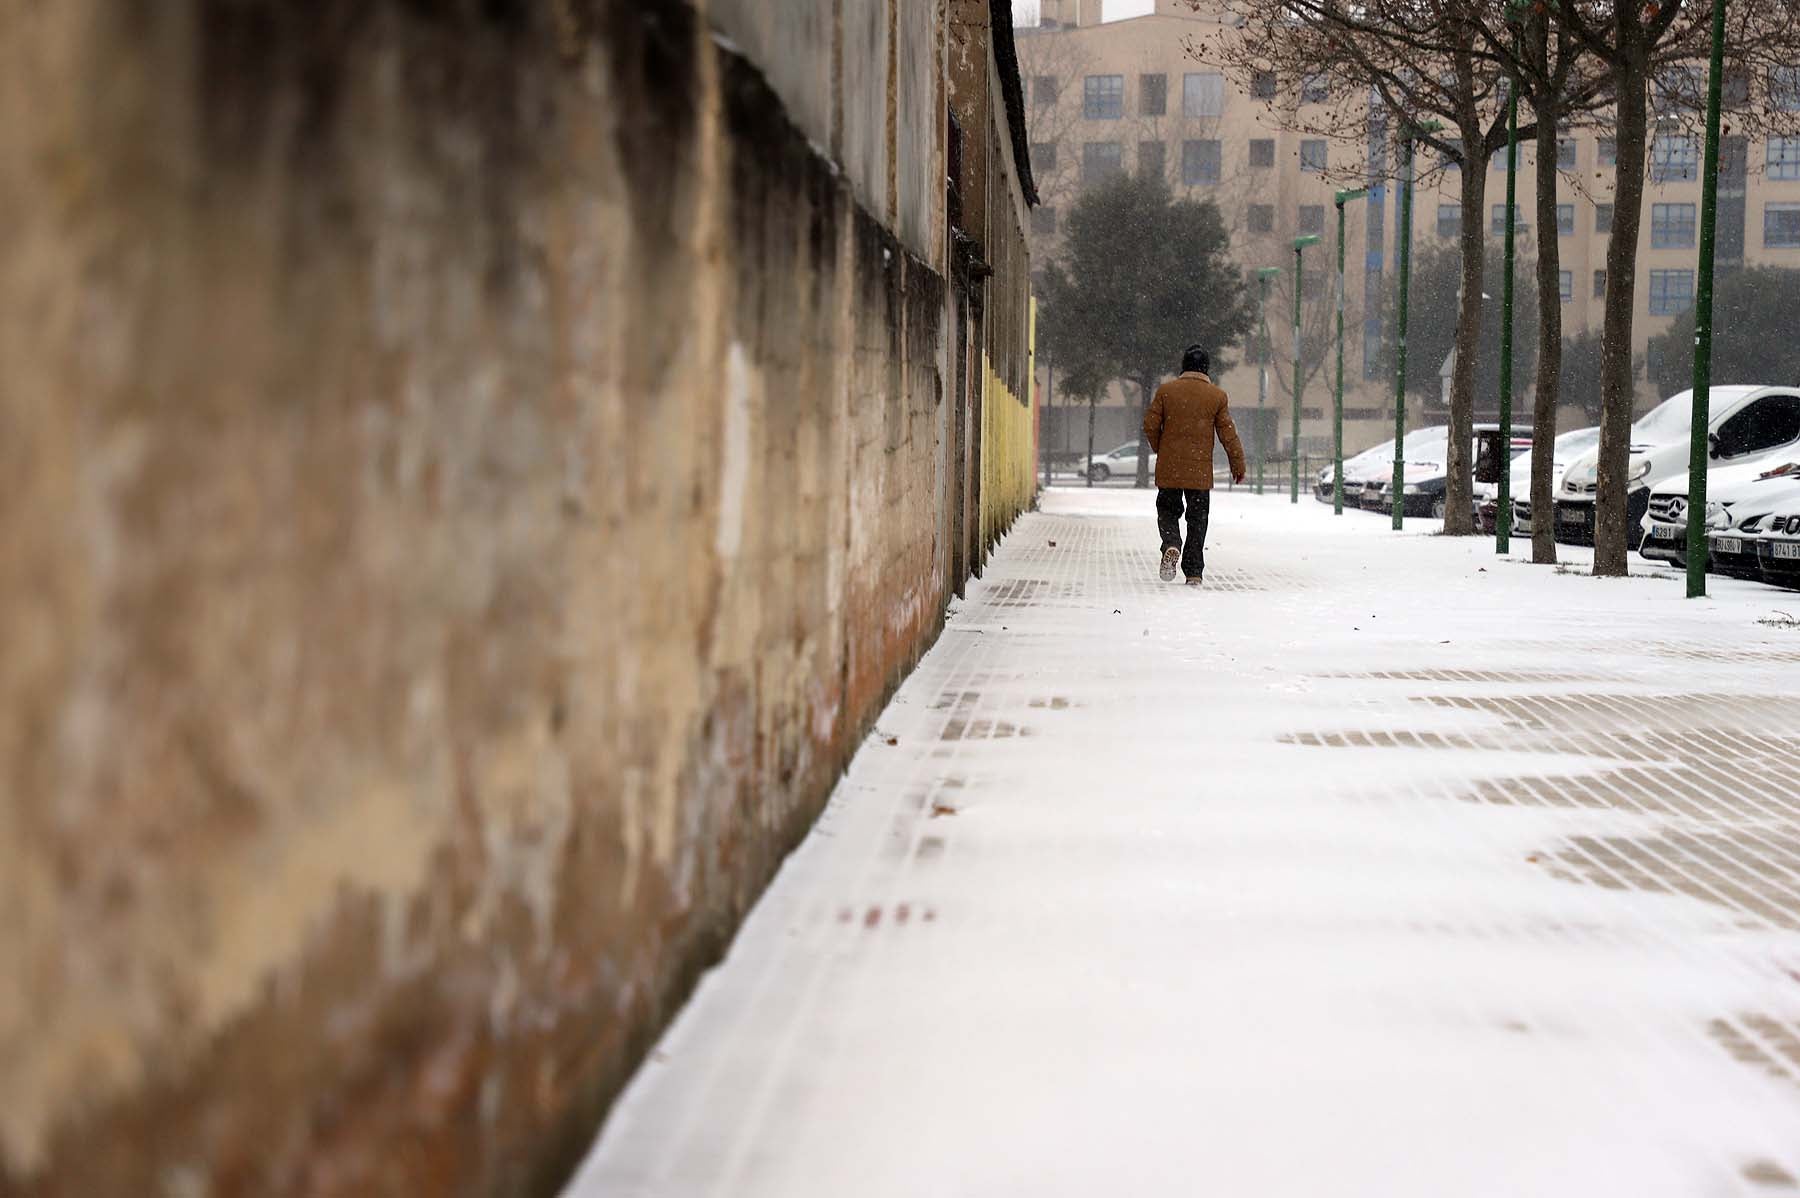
(1718, 516)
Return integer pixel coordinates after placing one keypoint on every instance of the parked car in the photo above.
(1745, 421)
(1122, 461)
(1564, 450)
(1357, 470)
(1423, 453)
(1738, 522)
(1778, 544)
(1664, 525)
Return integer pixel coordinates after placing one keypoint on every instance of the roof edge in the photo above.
(1006, 58)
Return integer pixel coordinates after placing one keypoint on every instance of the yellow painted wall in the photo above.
(1008, 468)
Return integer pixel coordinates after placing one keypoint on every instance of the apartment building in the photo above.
(1150, 93)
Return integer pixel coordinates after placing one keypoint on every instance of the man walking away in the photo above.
(1180, 425)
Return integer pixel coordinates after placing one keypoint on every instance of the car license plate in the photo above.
(1573, 516)
(1668, 532)
(1786, 549)
(1728, 545)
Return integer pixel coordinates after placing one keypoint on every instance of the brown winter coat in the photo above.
(1180, 426)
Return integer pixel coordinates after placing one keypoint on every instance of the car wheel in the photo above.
(1098, 472)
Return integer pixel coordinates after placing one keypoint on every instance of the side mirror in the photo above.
(1712, 445)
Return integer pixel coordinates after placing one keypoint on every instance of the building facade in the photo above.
(1151, 93)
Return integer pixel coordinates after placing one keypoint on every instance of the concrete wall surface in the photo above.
(860, 79)
(469, 476)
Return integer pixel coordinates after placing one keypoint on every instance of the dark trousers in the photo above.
(1169, 503)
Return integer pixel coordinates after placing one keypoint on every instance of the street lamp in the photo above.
(1703, 314)
(1300, 244)
(1503, 504)
(1406, 222)
(1264, 276)
(1337, 409)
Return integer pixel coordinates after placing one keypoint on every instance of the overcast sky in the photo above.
(1025, 12)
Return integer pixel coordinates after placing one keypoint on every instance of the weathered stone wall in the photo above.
(862, 78)
(469, 473)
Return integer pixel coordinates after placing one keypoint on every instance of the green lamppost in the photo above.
(1515, 12)
(1300, 244)
(1406, 222)
(1703, 313)
(1264, 276)
(1503, 512)
(1337, 408)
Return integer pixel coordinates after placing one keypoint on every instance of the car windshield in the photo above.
(1578, 442)
(1668, 421)
(1426, 438)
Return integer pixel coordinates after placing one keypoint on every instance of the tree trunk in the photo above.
(1146, 390)
(1549, 348)
(1610, 533)
(1459, 492)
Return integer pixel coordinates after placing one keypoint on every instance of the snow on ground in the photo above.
(1379, 866)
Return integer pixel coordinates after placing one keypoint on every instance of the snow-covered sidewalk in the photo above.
(1378, 866)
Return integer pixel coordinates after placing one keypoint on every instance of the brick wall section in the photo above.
(469, 475)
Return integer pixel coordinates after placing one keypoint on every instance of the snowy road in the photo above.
(1377, 867)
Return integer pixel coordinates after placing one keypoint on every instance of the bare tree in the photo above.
(1430, 63)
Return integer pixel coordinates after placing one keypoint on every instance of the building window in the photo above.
(1262, 85)
(1449, 220)
(1671, 226)
(1497, 221)
(1498, 161)
(1565, 153)
(1262, 151)
(1448, 164)
(1312, 218)
(1565, 220)
(1314, 89)
(1103, 97)
(1153, 94)
(1313, 156)
(1100, 161)
(1152, 158)
(1671, 292)
(1603, 218)
(1674, 158)
(1680, 89)
(1203, 94)
(1044, 91)
(1784, 158)
(1199, 162)
(1734, 89)
(1784, 88)
(1043, 157)
(1607, 151)
(1566, 283)
(1043, 219)
(1262, 218)
(1781, 225)
(1599, 284)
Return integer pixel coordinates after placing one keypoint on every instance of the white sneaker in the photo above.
(1170, 563)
